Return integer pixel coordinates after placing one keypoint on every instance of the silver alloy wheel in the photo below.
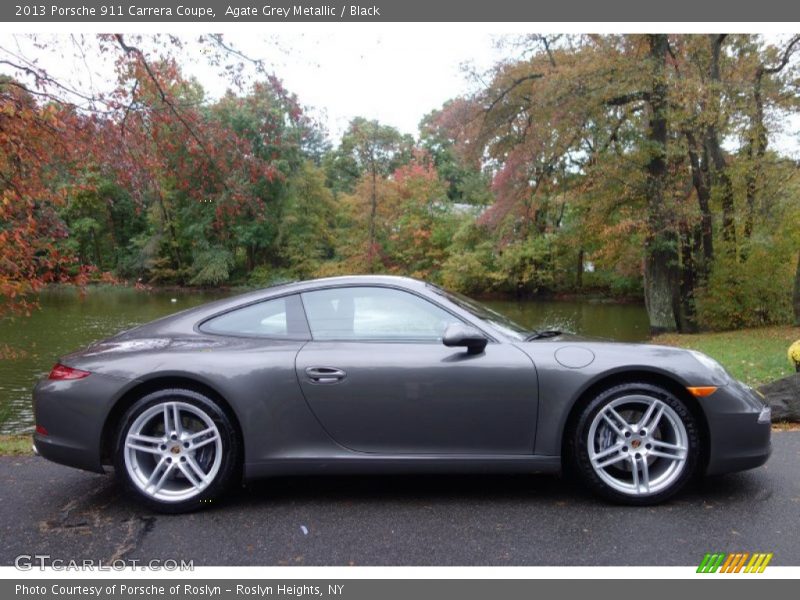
(173, 451)
(638, 445)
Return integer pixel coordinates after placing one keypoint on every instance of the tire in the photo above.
(175, 469)
(636, 444)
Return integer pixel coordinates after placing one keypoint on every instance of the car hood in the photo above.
(607, 356)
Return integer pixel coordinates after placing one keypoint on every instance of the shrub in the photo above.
(749, 293)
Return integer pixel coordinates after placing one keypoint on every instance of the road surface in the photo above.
(403, 520)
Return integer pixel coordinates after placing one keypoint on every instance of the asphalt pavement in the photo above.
(404, 520)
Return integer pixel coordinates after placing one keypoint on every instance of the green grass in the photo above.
(755, 356)
(15, 445)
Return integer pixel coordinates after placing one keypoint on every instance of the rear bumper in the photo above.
(739, 428)
(74, 413)
(62, 452)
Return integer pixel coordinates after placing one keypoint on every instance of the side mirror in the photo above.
(458, 334)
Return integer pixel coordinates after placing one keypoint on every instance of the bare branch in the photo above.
(787, 55)
(257, 62)
(163, 94)
(624, 99)
(129, 106)
(546, 45)
(42, 78)
(514, 84)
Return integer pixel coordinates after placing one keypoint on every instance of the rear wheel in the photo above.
(635, 443)
(176, 450)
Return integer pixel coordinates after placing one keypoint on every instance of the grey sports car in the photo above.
(378, 374)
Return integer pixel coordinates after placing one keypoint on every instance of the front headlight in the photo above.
(719, 375)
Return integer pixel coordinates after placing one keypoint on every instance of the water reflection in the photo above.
(622, 322)
(66, 322)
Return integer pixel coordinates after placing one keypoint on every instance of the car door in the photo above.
(379, 379)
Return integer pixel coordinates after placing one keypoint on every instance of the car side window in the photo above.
(373, 313)
(281, 317)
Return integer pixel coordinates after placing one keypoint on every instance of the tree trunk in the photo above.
(372, 214)
(98, 260)
(796, 296)
(250, 253)
(661, 260)
(171, 228)
(579, 270)
(756, 148)
(700, 183)
(688, 280)
(720, 179)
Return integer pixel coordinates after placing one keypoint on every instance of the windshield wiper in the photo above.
(539, 335)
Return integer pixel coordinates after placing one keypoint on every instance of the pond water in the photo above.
(66, 322)
(623, 322)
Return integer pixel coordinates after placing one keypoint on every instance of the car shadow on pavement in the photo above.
(84, 498)
(536, 489)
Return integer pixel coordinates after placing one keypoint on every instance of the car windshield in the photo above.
(484, 313)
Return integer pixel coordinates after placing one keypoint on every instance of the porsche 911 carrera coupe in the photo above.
(379, 374)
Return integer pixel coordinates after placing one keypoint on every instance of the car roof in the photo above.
(294, 287)
(344, 280)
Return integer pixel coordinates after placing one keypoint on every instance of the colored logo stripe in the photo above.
(726, 568)
(758, 563)
(735, 562)
(711, 563)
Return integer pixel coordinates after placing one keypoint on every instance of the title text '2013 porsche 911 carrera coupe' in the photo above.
(379, 374)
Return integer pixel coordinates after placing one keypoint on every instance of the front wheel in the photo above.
(635, 443)
(177, 450)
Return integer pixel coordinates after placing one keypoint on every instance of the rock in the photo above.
(783, 397)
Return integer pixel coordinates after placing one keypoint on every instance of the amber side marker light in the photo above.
(702, 391)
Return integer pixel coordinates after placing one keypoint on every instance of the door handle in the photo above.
(325, 374)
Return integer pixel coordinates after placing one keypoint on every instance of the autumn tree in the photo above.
(418, 220)
(308, 224)
(724, 88)
(39, 148)
(624, 140)
(81, 166)
(367, 152)
(467, 181)
(411, 230)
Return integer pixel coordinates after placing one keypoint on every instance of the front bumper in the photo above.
(73, 413)
(739, 428)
